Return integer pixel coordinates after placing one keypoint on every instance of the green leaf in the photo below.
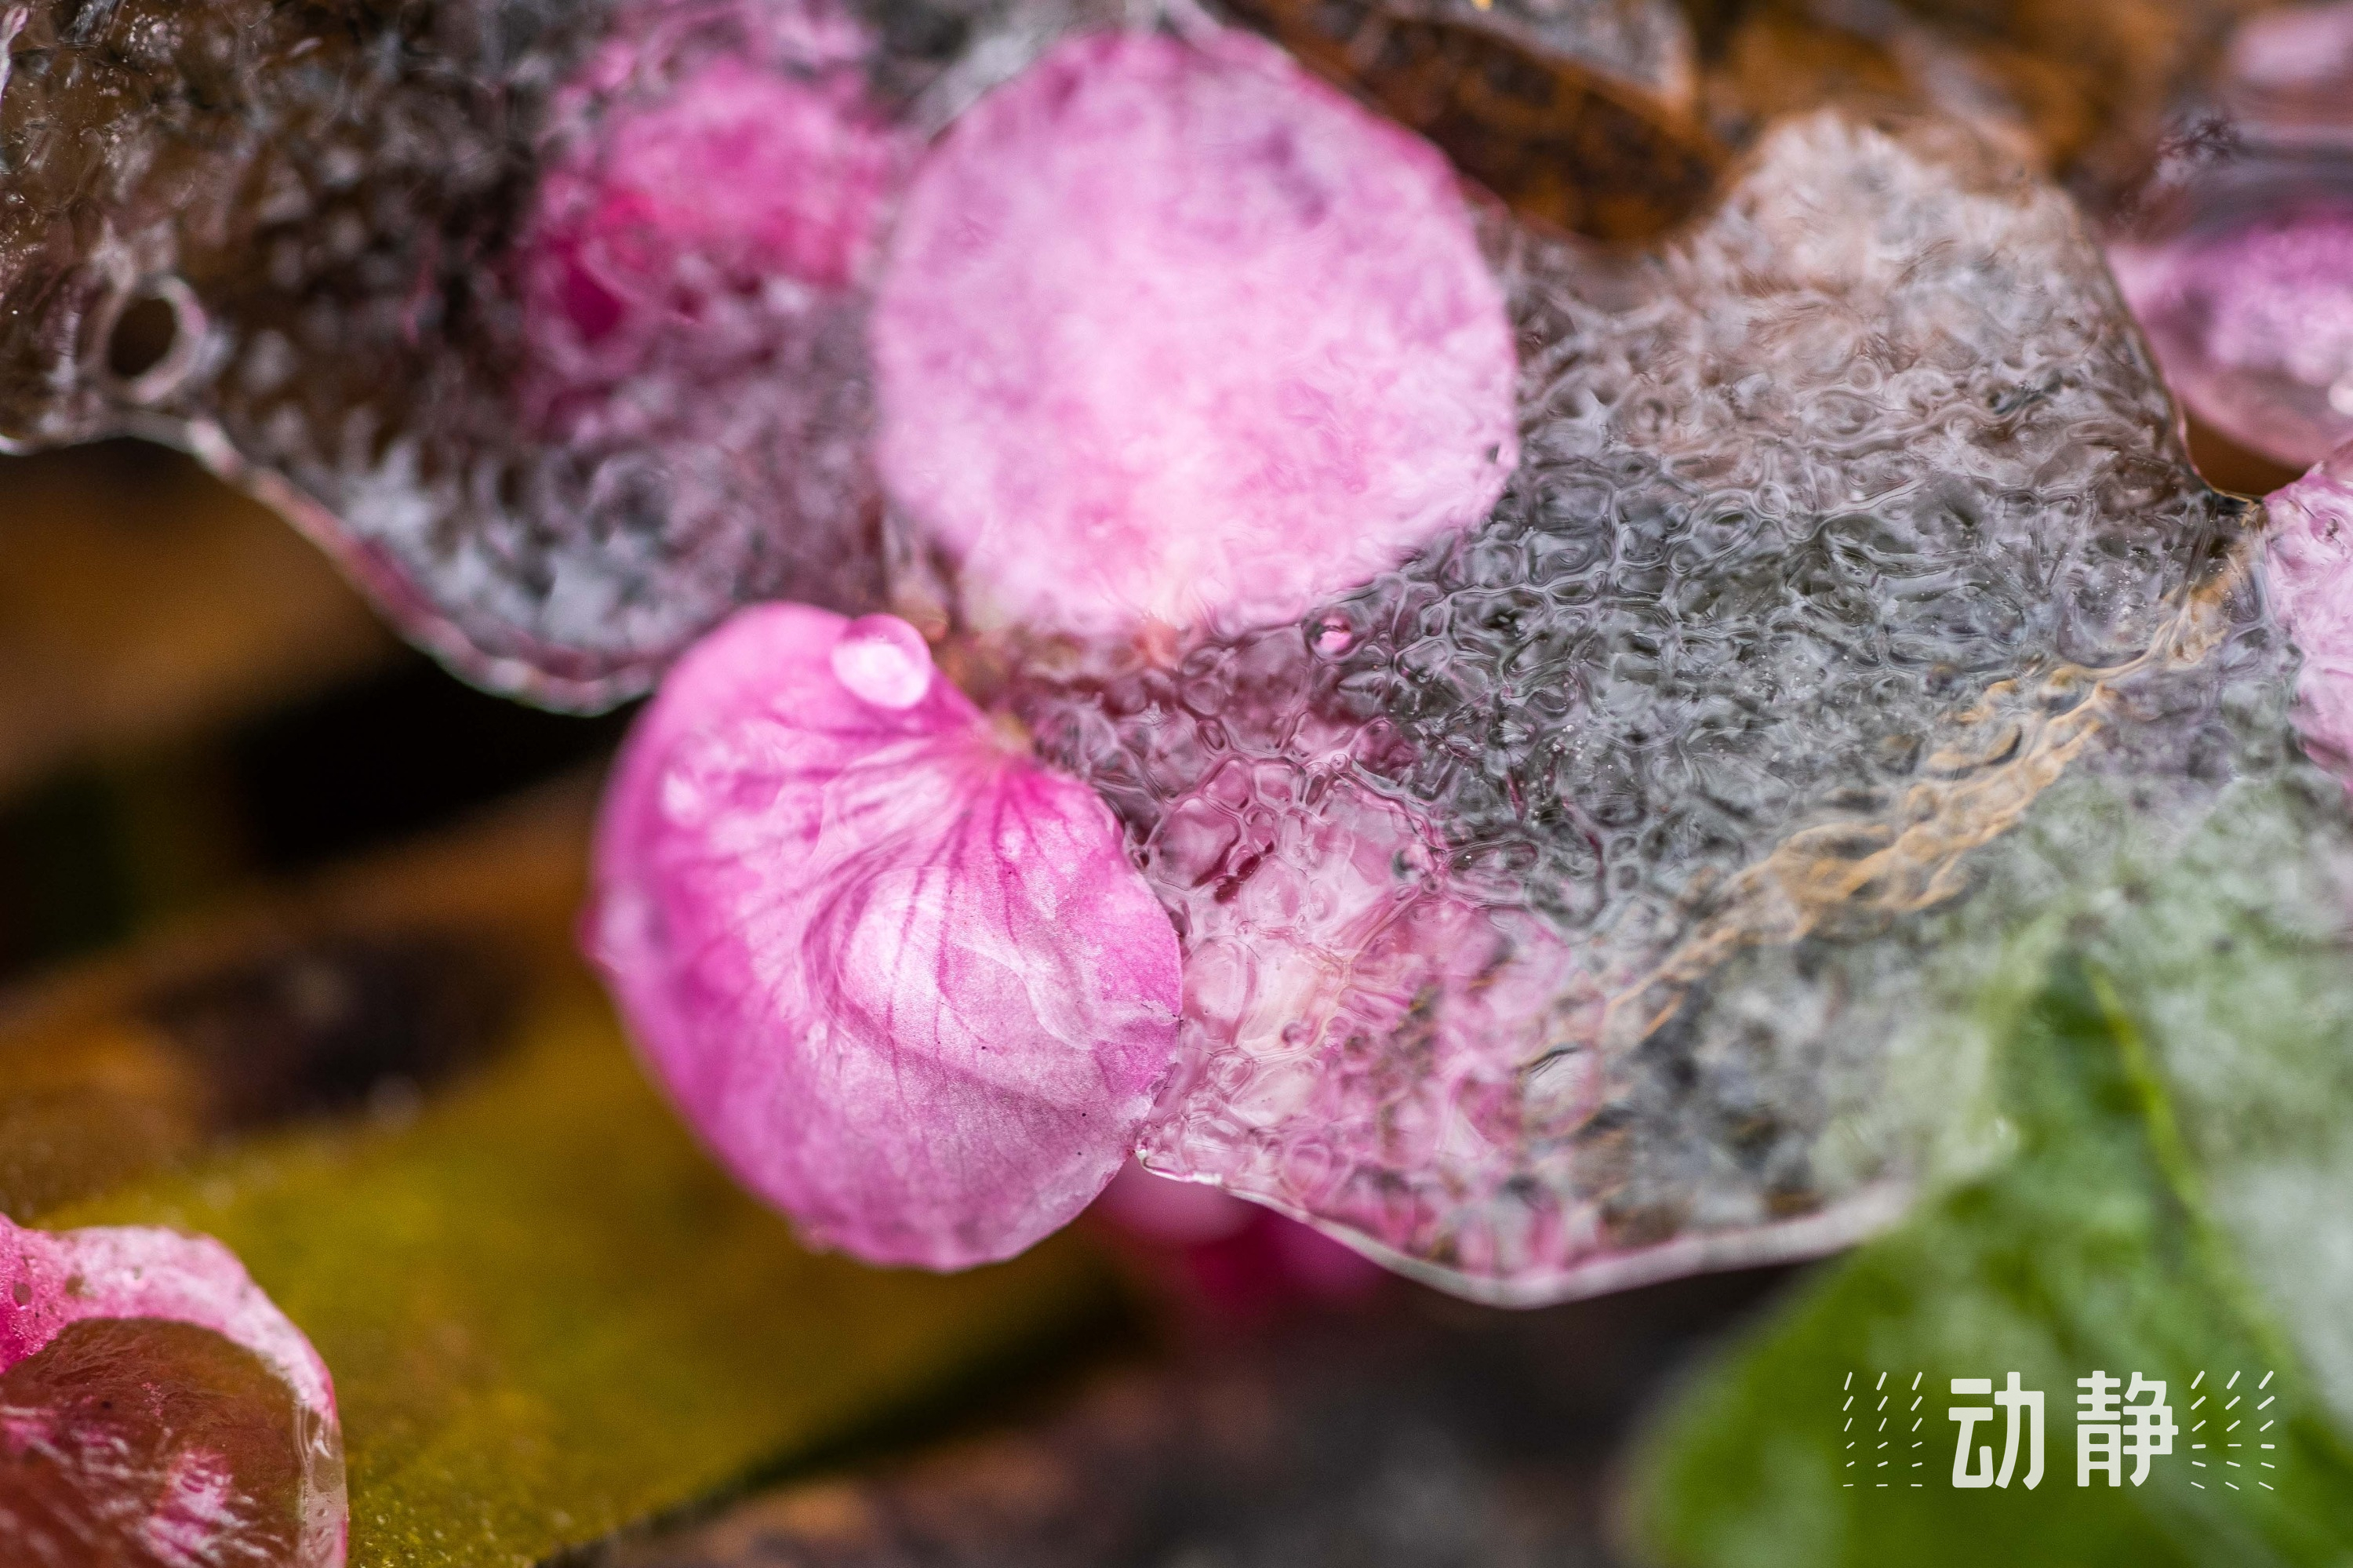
(2089, 1249)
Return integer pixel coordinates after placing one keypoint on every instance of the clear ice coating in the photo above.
(545, 317)
(1603, 893)
(160, 1412)
(550, 321)
(1577, 906)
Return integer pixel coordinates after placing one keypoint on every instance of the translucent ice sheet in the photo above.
(546, 318)
(1591, 899)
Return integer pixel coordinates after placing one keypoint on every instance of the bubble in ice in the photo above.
(160, 1412)
(901, 980)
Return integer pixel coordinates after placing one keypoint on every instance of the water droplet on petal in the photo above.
(883, 661)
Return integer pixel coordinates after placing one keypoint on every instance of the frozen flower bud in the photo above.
(159, 1410)
(902, 980)
(1172, 331)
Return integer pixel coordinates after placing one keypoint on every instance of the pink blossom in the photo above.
(1171, 332)
(902, 980)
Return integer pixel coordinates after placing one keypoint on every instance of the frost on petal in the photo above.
(156, 1409)
(2309, 550)
(1170, 331)
(902, 980)
(547, 322)
(1623, 868)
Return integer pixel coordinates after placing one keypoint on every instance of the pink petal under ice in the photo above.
(901, 979)
(730, 178)
(1317, 940)
(2239, 260)
(2252, 322)
(50, 1281)
(1170, 331)
(2309, 551)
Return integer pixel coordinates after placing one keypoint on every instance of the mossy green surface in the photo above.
(2091, 1248)
(549, 1315)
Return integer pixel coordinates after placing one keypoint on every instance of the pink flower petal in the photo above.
(681, 203)
(119, 1433)
(1175, 332)
(2238, 258)
(902, 980)
(2253, 320)
(2310, 562)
